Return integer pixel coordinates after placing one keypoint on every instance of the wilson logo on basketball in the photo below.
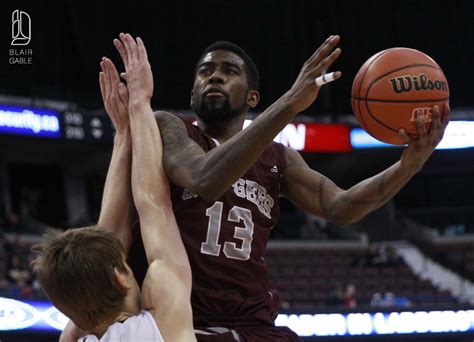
(405, 84)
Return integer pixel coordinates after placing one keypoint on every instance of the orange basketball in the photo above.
(392, 88)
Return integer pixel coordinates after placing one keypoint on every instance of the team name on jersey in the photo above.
(256, 194)
(244, 188)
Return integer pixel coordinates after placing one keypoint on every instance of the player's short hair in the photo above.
(251, 70)
(76, 270)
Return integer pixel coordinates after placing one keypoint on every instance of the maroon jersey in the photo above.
(226, 239)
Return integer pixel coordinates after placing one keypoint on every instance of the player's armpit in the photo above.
(166, 294)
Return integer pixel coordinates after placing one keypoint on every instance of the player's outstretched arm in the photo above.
(166, 289)
(315, 193)
(211, 174)
(117, 210)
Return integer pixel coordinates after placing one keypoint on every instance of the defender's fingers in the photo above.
(123, 93)
(128, 49)
(121, 50)
(113, 71)
(102, 85)
(124, 76)
(141, 49)
(327, 78)
(107, 86)
(133, 46)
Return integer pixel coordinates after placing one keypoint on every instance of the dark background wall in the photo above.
(69, 38)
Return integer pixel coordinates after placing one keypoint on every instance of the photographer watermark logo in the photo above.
(21, 36)
(21, 28)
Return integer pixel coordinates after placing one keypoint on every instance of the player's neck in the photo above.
(224, 130)
(131, 306)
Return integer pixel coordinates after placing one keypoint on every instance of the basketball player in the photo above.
(84, 271)
(226, 182)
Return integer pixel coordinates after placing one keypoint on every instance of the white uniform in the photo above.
(141, 327)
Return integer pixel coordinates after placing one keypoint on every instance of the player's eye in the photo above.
(204, 71)
(230, 71)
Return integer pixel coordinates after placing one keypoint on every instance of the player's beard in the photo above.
(209, 110)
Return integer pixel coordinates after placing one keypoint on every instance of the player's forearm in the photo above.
(222, 166)
(150, 188)
(117, 209)
(149, 181)
(351, 205)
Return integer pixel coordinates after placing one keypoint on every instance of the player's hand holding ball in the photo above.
(401, 96)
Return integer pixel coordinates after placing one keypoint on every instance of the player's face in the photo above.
(220, 88)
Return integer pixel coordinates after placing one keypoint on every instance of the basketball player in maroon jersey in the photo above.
(227, 181)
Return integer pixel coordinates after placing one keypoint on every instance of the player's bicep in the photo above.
(306, 188)
(181, 154)
(166, 294)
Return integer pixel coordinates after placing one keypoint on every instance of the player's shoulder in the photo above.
(163, 116)
(276, 150)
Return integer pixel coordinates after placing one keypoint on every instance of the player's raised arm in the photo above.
(211, 174)
(318, 195)
(117, 210)
(167, 286)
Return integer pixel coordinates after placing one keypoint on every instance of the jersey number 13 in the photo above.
(236, 214)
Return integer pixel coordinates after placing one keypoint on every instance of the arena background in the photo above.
(47, 181)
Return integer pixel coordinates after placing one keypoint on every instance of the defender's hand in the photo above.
(137, 68)
(304, 91)
(114, 94)
(420, 149)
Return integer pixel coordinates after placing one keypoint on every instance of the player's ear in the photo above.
(191, 102)
(253, 97)
(121, 279)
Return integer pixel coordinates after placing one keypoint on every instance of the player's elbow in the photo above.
(208, 188)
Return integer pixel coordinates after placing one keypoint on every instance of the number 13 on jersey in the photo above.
(245, 233)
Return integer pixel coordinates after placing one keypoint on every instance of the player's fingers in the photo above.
(124, 76)
(121, 50)
(446, 115)
(113, 72)
(102, 85)
(420, 126)
(322, 47)
(327, 78)
(123, 92)
(105, 70)
(133, 47)
(403, 134)
(435, 121)
(324, 50)
(142, 50)
(126, 44)
(327, 62)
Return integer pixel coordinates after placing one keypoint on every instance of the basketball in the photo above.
(392, 88)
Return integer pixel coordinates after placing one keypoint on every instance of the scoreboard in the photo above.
(50, 124)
